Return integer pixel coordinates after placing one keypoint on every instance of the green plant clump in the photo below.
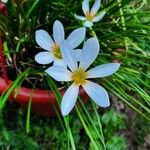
(124, 37)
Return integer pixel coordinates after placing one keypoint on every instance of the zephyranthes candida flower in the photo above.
(52, 46)
(4, 1)
(90, 15)
(80, 75)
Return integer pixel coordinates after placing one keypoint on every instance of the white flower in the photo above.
(90, 15)
(4, 1)
(80, 75)
(52, 46)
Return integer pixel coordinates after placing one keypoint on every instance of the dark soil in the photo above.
(137, 132)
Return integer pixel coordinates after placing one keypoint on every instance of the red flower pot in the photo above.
(43, 101)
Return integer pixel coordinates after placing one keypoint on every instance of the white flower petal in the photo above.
(98, 94)
(85, 6)
(79, 17)
(69, 99)
(76, 37)
(96, 6)
(4, 1)
(103, 70)
(77, 54)
(44, 58)
(67, 55)
(88, 24)
(60, 62)
(99, 17)
(43, 39)
(58, 31)
(59, 73)
(89, 52)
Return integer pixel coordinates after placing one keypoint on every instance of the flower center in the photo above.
(56, 51)
(79, 76)
(90, 15)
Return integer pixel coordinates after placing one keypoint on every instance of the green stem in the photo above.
(29, 109)
(100, 126)
(93, 32)
(123, 23)
(86, 128)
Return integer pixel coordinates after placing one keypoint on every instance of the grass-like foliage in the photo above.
(124, 36)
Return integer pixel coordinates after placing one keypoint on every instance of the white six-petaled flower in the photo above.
(80, 76)
(52, 46)
(90, 15)
(4, 1)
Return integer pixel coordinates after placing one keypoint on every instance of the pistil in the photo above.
(56, 51)
(79, 76)
(90, 15)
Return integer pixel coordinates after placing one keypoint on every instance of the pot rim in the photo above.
(38, 95)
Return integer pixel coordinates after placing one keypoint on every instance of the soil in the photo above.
(136, 133)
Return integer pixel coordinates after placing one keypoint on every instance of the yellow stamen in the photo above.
(90, 15)
(79, 76)
(56, 51)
